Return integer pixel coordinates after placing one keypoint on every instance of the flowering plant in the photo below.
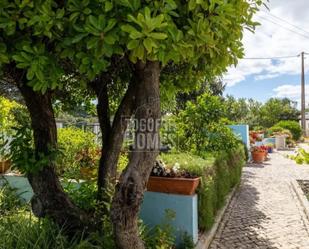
(258, 148)
(161, 169)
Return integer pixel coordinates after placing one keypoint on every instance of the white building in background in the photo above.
(307, 123)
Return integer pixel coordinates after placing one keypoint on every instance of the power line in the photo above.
(285, 21)
(293, 31)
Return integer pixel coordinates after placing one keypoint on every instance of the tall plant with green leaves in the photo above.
(101, 43)
(201, 127)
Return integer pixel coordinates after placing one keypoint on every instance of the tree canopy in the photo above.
(42, 36)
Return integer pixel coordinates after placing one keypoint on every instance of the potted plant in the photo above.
(270, 148)
(265, 148)
(172, 180)
(258, 154)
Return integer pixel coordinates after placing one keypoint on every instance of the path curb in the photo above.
(207, 237)
(301, 197)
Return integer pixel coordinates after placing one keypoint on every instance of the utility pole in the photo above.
(303, 103)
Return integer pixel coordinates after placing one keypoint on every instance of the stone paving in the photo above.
(265, 212)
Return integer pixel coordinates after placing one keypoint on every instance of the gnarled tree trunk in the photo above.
(49, 198)
(132, 184)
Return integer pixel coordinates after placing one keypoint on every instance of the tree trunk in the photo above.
(112, 135)
(130, 189)
(49, 198)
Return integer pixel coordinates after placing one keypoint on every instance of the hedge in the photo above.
(292, 126)
(219, 174)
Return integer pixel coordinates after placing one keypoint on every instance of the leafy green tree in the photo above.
(237, 109)
(214, 87)
(200, 126)
(101, 43)
(275, 110)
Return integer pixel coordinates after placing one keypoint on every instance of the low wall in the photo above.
(242, 131)
(21, 185)
(153, 210)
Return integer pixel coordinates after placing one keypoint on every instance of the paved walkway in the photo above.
(265, 213)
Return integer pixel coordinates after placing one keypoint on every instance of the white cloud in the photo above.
(290, 91)
(271, 40)
(266, 76)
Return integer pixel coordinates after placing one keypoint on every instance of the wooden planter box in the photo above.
(181, 186)
(4, 166)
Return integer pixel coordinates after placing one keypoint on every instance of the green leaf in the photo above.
(110, 39)
(111, 23)
(39, 74)
(192, 4)
(132, 44)
(92, 42)
(108, 6)
(19, 58)
(78, 38)
(139, 52)
(148, 43)
(158, 36)
(136, 35)
(147, 14)
(127, 28)
(133, 33)
(94, 22)
(4, 58)
(30, 74)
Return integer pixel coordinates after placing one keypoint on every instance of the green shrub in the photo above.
(6, 118)
(219, 174)
(302, 157)
(201, 126)
(72, 142)
(9, 199)
(292, 126)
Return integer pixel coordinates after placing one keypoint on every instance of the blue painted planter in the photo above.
(155, 205)
(153, 209)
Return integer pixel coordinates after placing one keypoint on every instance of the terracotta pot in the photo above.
(182, 186)
(4, 166)
(258, 156)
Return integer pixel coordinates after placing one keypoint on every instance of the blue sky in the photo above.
(262, 90)
(284, 31)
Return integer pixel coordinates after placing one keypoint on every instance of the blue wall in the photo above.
(154, 208)
(21, 185)
(242, 131)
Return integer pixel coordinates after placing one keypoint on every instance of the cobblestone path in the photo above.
(265, 212)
